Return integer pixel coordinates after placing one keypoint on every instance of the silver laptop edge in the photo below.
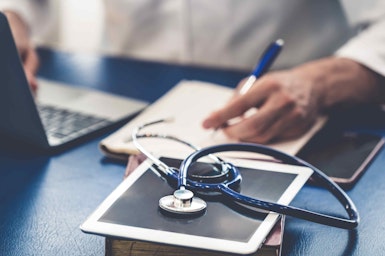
(19, 115)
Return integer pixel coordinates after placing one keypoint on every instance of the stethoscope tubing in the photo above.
(225, 188)
(317, 175)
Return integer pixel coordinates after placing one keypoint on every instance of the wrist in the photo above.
(341, 82)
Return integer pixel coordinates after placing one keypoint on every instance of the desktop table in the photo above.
(45, 197)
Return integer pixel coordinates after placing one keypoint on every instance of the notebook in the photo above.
(131, 211)
(187, 104)
(60, 113)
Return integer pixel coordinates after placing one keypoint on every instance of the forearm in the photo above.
(19, 27)
(26, 49)
(14, 17)
(35, 14)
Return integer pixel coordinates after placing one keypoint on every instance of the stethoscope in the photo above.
(184, 202)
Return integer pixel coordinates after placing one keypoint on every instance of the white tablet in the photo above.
(131, 211)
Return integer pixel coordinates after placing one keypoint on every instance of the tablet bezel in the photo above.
(94, 226)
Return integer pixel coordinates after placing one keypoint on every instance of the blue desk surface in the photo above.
(44, 198)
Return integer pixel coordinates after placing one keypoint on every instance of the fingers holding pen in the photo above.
(237, 106)
(248, 117)
(282, 109)
(251, 94)
(277, 118)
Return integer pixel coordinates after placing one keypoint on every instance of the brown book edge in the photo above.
(124, 247)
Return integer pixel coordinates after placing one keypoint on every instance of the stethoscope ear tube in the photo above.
(319, 178)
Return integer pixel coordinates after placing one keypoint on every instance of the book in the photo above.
(124, 247)
(188, 103)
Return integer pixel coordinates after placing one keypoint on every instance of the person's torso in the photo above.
(229, 33)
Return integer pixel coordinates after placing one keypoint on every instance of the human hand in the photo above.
(25, 48)
(288, 102)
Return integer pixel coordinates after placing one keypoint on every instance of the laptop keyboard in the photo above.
(61, 123)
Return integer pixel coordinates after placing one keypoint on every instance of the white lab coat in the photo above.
(230, 33)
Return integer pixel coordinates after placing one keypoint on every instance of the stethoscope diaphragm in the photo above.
(182, 201)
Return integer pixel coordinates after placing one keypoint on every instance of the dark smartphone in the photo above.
(343, 156)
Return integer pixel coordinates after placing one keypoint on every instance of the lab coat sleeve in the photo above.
(35, 13)
(368, 46)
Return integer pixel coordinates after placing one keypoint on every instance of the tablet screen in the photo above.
(136, 206)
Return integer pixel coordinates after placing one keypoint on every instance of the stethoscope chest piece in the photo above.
(182, 202)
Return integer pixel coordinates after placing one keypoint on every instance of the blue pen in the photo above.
(264, 64)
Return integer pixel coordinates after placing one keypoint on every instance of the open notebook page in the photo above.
(188, 103)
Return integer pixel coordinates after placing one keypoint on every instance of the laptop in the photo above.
(59, 114)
